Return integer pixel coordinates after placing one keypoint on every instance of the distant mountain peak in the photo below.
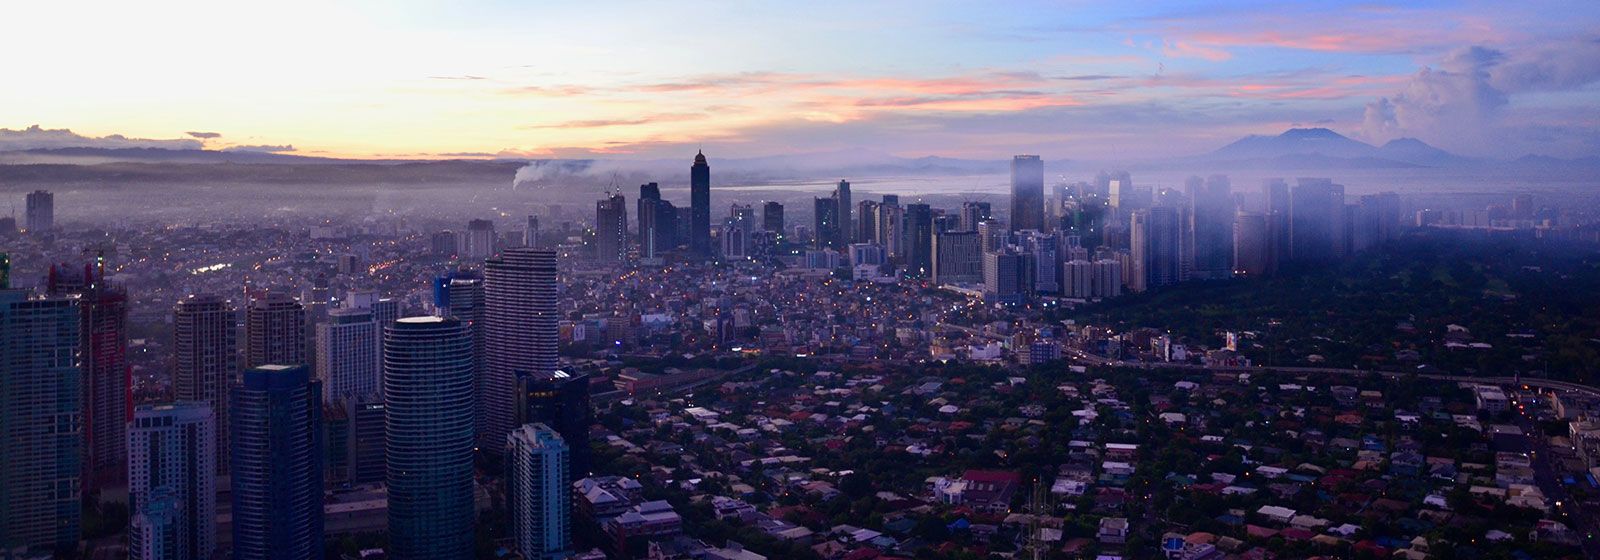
(1312, 134)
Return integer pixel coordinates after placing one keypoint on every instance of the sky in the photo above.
(1091, 81)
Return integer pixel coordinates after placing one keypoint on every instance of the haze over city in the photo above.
(821, 281)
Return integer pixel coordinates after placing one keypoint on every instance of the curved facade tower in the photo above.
(427, 381)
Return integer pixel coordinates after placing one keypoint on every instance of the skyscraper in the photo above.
(1027, 193)
(460, 295)
(957, 258)
(172, 453)
(1250, 244)
(348, 362)
(1275, 194)
(41, 411)
(1316, 219)
(919, 240)
(521, 332)
(480, 239)
(700, 206)
(106, 378)
(530, 235)
(1211, 213)
(41, 212)
(154, 528)
(847, 226)
(611, 229)
(972, 214)
(539, 490)
(772, 217)
(276, 465)
(658, 226)
(428, 395)
(1157, 238)
(205, 345)
(826, 222)
(275, 331)
(560, 401)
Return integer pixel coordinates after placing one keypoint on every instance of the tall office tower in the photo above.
(275, 331)
(743, 215)
(366, 441)
(1250, 244)
(866, 222)
(539, 492)
(530, 235)
(107, 387)
(957, 258)
(480, 240)
(1275, 197)
(1377, 220)
(772, 217)
(460, 294)
(892, 228)
(1006, 276)
(41, 213)
(657, 222)
(521, 330)
(611, 229)
(945, 222)
(1137, 273)
(1157, 238)
(700, 206)
(735, 241)
(277, 464)
(1077, 279)
(562, 404)
(1316, 218)
(153, 529)
(826, 222)
(919, 240)
(172, 452)
(427, 379)
(445, 244)
(41, 411)
(1045, 252)
(992, 235)
(205, 347)
(348, 362)
(1027, 193)
(1211, 211)
(847, 226)
(972, 214)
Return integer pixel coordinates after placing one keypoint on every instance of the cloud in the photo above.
(1462, 103)
(260, 148)
(607, 123)
(204, 135)
(467, 77)
(36, 138)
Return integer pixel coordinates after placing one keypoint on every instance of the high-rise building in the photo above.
(1377, 221)
(1044, 252)
(866, 222)
(972, 214)
(957, 258)
(277, 464)
(847, 226)
(700, 206)
(1211, 211)
(658, 226)
(1316, 219)
(772, 216)
(1275, 197)
(891, 228)
(1157, 237)
(429, 441)
(480, 240)
(530, 235)
(539, 491)
(826, 221)
(348, 359)
(611, 229)
(205, 345)
(521, 330)
(1027, 193)
(919, 240)
(560, 401)
(1251, 244)
(108, 399)
(735, 241)
(153, 529)
(41, 212)
(172, 453)
(1006, 276)
(275, 331)
(460, 294)
(41, 416)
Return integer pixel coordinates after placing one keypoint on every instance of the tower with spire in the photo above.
(700, 206)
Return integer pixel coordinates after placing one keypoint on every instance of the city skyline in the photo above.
(1074, 80)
